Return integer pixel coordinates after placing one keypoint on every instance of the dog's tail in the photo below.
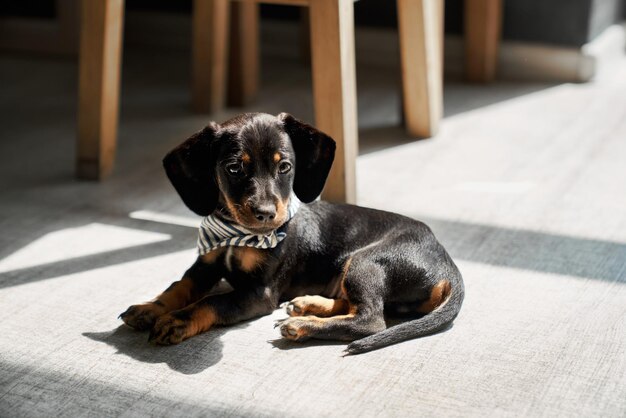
(431, 323)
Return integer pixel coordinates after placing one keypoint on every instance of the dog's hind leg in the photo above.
(317, 306)
(341, 327)
(362, 289)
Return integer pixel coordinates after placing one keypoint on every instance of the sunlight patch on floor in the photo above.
(70, 243)
(164, 218)
(508, 187)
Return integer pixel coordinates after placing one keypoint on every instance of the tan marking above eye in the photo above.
(277, 157)
(245, 158)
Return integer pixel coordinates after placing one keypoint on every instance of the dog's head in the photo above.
(248, 167)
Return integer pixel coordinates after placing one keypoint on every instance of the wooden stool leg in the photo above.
(243, 74)
(420, 24)
(209, 54)
(98, 85)
(334, 90)
(483, 21)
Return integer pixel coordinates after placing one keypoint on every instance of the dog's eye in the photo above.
(234, 169)
(284, 167)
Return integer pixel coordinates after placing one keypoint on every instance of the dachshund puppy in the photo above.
(255, 179)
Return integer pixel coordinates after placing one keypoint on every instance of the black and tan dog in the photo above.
(359, 263)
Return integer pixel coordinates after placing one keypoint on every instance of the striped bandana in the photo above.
(215, 233)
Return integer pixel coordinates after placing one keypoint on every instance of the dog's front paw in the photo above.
(171, 329)
(294, 329)
(142, 317)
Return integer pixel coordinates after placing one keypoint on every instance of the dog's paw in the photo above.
(309, 305)
(170, 329)
(295, 307)
(294, 329)
(316, 306)
(142, 317)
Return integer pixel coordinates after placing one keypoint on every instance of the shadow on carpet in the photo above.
(190, 357)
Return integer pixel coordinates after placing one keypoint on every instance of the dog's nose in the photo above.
(265, 213)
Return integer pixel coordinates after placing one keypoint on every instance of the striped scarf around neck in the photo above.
(216, 232)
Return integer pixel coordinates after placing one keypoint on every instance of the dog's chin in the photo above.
(261, 229)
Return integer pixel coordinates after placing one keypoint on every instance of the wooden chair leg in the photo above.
(98, 85)
(209, 54)
(243, 74)
(420, 24)
(483, 21)
(305, 35)
(334, 90)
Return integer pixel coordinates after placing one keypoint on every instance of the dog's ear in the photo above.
(315, 152)
(191, 169)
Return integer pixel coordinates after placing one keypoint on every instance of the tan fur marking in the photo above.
(336, 317)
(281, 210)
(232, 209)
(177, 296)
(181, 293)
(202, 318)
(320, 320)
(303, 325)
(230, 205)
(277, 157)
(246, 158)
(320, 306)
(209, 258)
(249, 258)
(346, 267)
(438, 295)
(339, 306)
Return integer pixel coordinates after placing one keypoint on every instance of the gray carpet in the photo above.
(525, 185)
